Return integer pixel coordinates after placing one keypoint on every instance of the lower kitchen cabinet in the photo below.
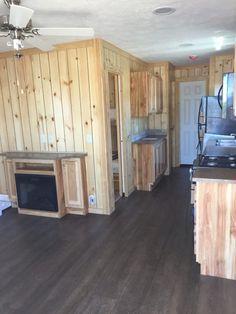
(215, 223)
(149, 163)
(160, 158)
(75, 186)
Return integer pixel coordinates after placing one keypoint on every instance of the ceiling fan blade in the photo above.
(74, 32)
(4, 34)
(20, 16)
(38, 43)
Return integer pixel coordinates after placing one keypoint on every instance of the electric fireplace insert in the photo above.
(36, 192)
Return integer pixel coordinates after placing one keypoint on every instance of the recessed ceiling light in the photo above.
(186, 45)
(164, 11)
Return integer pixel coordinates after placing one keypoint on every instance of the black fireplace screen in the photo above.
(37, 192)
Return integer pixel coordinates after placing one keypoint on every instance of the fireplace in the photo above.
(36, 192)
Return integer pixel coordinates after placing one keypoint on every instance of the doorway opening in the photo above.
(190, 94)
(116, 134)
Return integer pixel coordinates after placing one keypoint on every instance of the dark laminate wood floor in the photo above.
(138, 260)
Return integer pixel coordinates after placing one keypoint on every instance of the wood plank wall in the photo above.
(191, 73)
(218, 66)
(53, 102)
(163, 120)
(118, 61)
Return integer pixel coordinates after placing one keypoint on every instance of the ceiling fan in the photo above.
(18, 27)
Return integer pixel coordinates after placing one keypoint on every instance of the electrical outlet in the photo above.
(92, 199)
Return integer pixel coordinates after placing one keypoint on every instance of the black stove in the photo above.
(217, 161)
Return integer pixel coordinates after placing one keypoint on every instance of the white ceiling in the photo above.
(132, 26)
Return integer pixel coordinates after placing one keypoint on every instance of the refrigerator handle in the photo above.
(199, 146)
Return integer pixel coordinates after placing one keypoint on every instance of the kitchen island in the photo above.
(215, 221)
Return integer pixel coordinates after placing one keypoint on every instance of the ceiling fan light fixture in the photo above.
(8, 3)
(17, 44)
(20, 16)
(164, 11)
(18, 26)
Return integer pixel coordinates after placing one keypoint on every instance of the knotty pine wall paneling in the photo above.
(49, 109)
(218, 66)
(191, 73)
(14, 103)
(54, 102)
(39, 101)
(99, 125)
(165, 70)
(118, 61)
(31, 100)
(83, 94)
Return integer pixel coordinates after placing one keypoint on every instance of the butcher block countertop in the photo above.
(41, 155)
(215, 175)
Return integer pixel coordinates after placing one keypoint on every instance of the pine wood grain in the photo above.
(215, 228)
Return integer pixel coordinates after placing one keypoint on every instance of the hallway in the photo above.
(138, 260)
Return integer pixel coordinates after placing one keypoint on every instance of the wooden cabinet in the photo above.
(31, 174)
(215, 223)
(160, 158)
(155, 95)
(149, 164)
(145, 94)
(11, 184)
(64, 177)
(75, 186)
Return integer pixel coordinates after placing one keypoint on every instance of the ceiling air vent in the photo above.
(164, 11)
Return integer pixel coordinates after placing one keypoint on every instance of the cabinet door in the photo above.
(152, 95)
(134, 93)
(159, 94)
(163, 155)
(73, 181)
(10, 176)
(144, 81)
(157, 162)
(155, 95)
(139, 94)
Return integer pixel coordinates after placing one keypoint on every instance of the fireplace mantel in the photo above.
(69, 171)
(42, 155)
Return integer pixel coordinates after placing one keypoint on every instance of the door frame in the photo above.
(176, 152)
(120, 131)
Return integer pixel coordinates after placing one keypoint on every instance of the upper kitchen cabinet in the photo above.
(155, 98)
(146, 94)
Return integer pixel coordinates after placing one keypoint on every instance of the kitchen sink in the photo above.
(149, 138)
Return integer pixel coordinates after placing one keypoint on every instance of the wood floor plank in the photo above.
(139, 260)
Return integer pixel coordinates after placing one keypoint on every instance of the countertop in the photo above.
(156, 139)
(40, 155)
(223, 175)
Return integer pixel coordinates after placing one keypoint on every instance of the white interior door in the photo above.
(190, 96)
